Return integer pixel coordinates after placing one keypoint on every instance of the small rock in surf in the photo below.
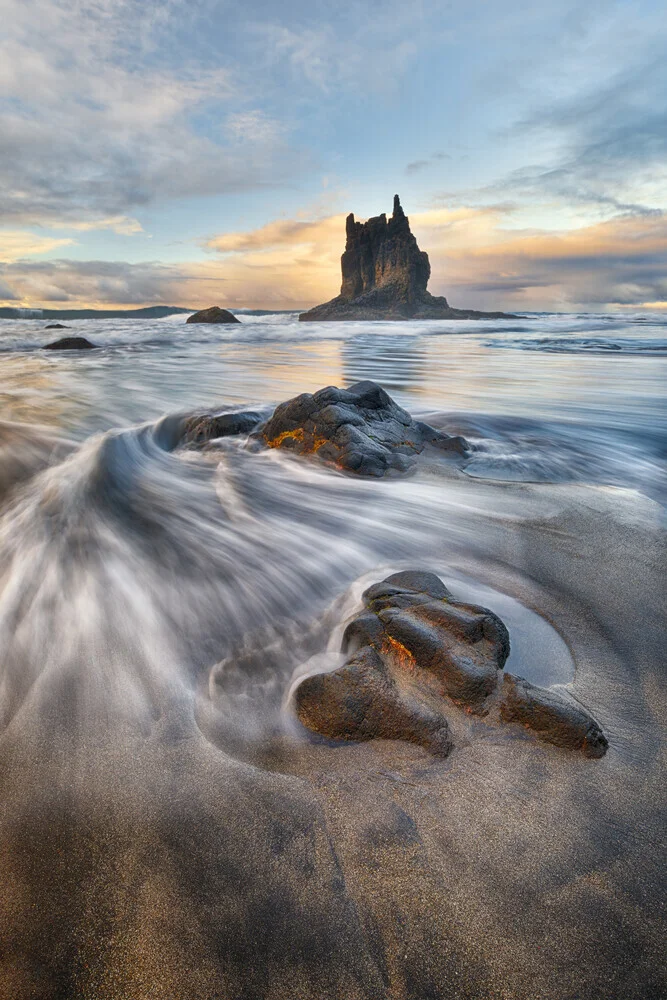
(213, 315)
(70, 344)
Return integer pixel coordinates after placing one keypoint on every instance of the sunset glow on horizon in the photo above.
(189, 154)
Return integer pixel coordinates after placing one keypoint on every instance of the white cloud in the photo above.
(90, 133)
(121, 224)
(16, 244)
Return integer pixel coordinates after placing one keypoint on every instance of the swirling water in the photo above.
(153, 576)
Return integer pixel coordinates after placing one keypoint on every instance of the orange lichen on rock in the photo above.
(308, 443)
(318, 442)
(276, 442)
(401, 654)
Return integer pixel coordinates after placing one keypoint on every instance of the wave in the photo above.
(558, 333)
(141, 571)
(585, 345)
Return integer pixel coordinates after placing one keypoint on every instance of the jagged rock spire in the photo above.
(385, 275)
(381, 253)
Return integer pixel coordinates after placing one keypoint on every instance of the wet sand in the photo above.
(141, 858)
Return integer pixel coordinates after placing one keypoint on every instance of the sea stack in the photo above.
(385, 275)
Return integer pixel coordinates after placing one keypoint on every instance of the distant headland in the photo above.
(385, 275)
(148, 312)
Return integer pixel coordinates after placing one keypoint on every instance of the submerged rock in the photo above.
(70, 344)
(204, 427)
(213, 315)
(385, 275)
(56, 326)
(415, 653)
(360, 429)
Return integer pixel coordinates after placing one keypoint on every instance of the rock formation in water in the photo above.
(213, 315)
(70, 344)
(203, 427)
(56, 326)
(360, 429)
(385, 275)
(414, 654)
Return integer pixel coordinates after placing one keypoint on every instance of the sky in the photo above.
(200, 152)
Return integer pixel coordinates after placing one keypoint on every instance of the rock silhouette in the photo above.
(213, 315)
(385, 275)
(415, 655)
(360, 429)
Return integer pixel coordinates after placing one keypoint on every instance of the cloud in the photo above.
(7, 294)
(592, 130)
(15, 244)
(90, 134)
(272, 283)
(477, 261)
(366, 51)
(121, 224)
(619, 262)
(418, 165)
(281, 233)
(92, 282)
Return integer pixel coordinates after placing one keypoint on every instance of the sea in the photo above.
(157, 561)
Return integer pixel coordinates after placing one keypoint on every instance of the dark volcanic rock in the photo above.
(360, 429)
(70, 344)
(385, 275)
(551, 717)
(413, 652)
(362, 701)
(213, 315)
(56, 326)
(205, 427)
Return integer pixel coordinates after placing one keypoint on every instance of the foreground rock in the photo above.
(551, 717)
(213, 315)
(385, 275)
(360, 429)
(415, 652)
(70, 344)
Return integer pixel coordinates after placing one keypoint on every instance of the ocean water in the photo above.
(157, 564)
(593, 385)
